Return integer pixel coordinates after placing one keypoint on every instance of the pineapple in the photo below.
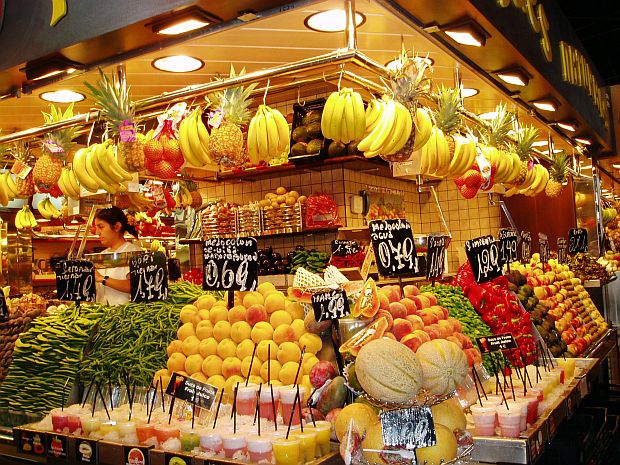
(409, 81)
(25, 186)
(112, 95)
(226, 143)
(495, 137)
(48, 168)
(448, 118)
(558, 173)
(525, 138)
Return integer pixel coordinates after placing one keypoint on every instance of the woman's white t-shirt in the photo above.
(106, 294)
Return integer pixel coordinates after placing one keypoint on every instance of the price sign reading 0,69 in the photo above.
(392, 241)
(230, 264)
(483, 255)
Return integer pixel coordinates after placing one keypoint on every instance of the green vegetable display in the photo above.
(313, 261)
(47, 358)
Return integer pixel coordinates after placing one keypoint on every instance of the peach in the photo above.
(237, 313)
(428, 317)
(456, 325)
(384, 301)
(416, 321)
(421, 301)
(256, 313)
(415, 339)
(409, 305)
(456, 340)
(431, 297)
(401, 328)
(446, 328)
(388, 317)
(389, 335)
(393, 292)
(433, 331)
(230, 366)
(438, 311)
(466, 342)
(283, 333)
(398, 310)
(411, 290)
(473, 356)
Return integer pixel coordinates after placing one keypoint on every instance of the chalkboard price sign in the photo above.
(435, 256)
(343, 248)
(4, 309)
(190, 390)
(330, 305)
(394, 248)
(577, 240)
(545, 249)
(508, 239)
(75, 281)
(562, 250)
(408, 428)
(488, 344)
(148, 277)
(230, 264)
(483, 255)
(526, 246)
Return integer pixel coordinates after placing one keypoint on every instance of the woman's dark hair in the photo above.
(115, 215)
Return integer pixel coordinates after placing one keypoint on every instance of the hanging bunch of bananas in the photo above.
(535, 182)
(388, 127)
(194, 140)
(48, 210)
(24, 219)
(139, 202)
(8, 189)
(268, 135)
(344, 118)
(435, 155)
(96, 167)
(183, 196)
(157, 246)
(69, 184)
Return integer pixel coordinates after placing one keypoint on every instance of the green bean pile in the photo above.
(46, 358)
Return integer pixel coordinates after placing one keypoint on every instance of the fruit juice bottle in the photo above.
(259, 449)
(211, 442)
(307, 445)
(286, 451)
(60, 421)
(323, 431)
(266, 406)
(90, 424)
(246, 400)
(145, 431)
(233, 443)
(73, 422)
(287, 400)
(190, 439)
(165, 432)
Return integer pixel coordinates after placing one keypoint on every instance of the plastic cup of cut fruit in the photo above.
(286, 451)
(259, 449)
(287, 401)
(145, 432)
(233, 443)
(246, 399)
(323, 431)
(211, 442)
(90, 424)
(484, 419)
(165, 432)
(307, 440)
(266, 406)
(60, 421)
(509, 420)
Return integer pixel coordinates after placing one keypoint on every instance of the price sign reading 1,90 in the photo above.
(75, 281)
(230, 264)
(526, 246)
(483, 255)
(508, 239)
(392, 241)
(545, 249)
(435, 256)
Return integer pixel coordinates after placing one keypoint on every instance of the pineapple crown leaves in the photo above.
(409, 79)
(496, 133)
(62, 137)
(559, 167)
(525, 137)
(449, 102)
(21, 150)
(113, 96)
(233, 102)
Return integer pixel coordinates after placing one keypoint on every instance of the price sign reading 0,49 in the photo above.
(230, 264)
(392, 241)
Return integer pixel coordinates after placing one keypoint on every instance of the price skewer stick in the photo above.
(301, 423)
(477, 377)
(290, 420)
(232, 412)
(495, 372)
(550, 355)
(303, 351)
(90, 386)
(536, 363)
(161, 391)
(64, 395)
(217, 409)
(273, 402)
(247, 379)
(542, 352)
(193, 406)
(110, 393)
(102, 401)
(153, 402)
(476, 385)
(400, 285)
(92, 411)
(231, 299)
(258, 407)
(234, 409)
(527, 375)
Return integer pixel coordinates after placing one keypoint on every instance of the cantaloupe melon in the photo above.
(388, 370)
(444, 366)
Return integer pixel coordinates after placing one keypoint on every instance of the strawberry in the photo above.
(472, 179)
(153, 151)
(469, 192)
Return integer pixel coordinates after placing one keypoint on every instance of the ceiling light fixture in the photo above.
(467, 32)
(616, 166)
(394, 65)
(489, 115)
(586, 167)
(62, 96)
(45, 68)
(189, 19)
(583, 140)
(331, 21)
(469, 92)
(540, 143)
(516, 76)
(546, 104)
(546, 152)
(567, 125)
(177, 64)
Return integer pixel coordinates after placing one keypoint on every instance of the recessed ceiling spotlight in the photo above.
(469, 92)
(515, 76)
(62, 96)
(177, 64)
(468, 32)
(616, 166)
(189, 19)
(546, 104)
(331, 21)
(583, 140)
(568, 125)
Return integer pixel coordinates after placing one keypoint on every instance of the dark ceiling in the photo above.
(598, 25)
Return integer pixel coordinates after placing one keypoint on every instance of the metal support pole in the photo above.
(350, 27)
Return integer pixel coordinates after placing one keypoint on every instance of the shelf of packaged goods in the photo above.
(304, 232)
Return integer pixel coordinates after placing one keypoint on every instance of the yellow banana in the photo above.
(337, 117)
(72, 181)
(365, 144)
(327, 115)
(261, 135)
(188, 148)
(372, 115)
(272, 135)
(79, 170)
(385, 128)
(424, 127)
(41, 207)
(403, 130)
(19, 219)
(93, 174)
(204, 137)
(349, 117)
(10, 183)
(93, 159)
(112, 162)
(4, 196)
(284, 136)
(253, 141)
(360, 115)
